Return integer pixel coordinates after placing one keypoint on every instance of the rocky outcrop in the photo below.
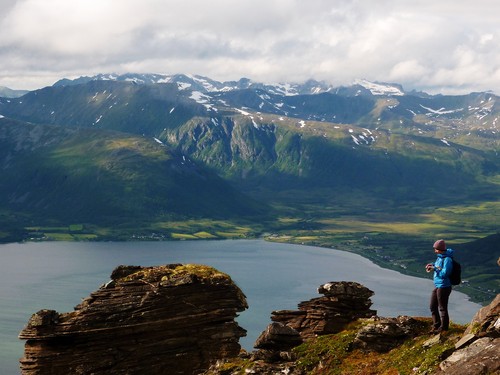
(385, 334)
(278, 336)
(486, 322)
(343, 302)
(172, 319)
(478, 352)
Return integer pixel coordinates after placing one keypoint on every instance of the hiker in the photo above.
(441, 293)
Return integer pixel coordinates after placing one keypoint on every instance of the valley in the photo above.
(368, 169)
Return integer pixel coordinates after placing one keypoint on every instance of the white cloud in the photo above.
(449, 45)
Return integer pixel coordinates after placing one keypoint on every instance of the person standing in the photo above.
(440, 295)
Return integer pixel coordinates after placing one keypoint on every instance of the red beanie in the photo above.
(440, 245)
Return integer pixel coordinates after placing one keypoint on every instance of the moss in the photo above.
(235, 366)
(325, 354)
(173, 272)
(332, 354)
(475, 328)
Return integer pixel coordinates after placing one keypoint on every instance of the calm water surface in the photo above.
(57, 275)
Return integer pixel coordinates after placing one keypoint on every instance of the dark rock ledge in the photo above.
(172, 319)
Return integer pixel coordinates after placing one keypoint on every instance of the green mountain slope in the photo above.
(278, 154)
(123, 106)
(64, 175)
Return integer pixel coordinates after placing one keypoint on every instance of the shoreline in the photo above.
(468, 290)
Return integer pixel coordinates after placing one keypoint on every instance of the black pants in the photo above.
(439, 308)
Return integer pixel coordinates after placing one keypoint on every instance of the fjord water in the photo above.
(57, 275)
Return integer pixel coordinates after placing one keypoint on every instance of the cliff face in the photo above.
(174, 319)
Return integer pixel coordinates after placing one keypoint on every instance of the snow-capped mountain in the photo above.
(377, 88)
(204, 84)
(366, 103)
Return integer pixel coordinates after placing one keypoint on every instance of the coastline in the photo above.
(468, 290)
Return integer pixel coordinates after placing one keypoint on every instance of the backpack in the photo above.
(456, 273)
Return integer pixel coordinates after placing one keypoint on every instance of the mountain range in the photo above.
(178, 155)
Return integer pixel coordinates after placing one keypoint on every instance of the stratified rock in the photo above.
(385, 334)
(486, 322)
(480, 357)
(278, 336)
(479, 348)
(343, 302)
(172, 319)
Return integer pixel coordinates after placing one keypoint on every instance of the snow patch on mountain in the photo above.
(183, 85)
(441, 111)
(380, 88)
(202, 99)
(285, 89)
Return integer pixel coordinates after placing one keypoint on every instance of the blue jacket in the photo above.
(442, 269)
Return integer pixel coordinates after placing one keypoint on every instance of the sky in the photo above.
(437, 46)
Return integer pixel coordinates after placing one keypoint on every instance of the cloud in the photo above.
(450, 45)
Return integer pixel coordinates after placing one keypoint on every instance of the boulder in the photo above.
(478, 351)
(385, 334)
(174, 319)
(486, 322)
(278, 336)
(480, 357)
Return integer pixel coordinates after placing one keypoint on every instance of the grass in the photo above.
(335, 355)
(397, 237)
(183, 236)
(201, 229)
(205, 235)
(331, 351)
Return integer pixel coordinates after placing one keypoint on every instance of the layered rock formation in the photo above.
(478, 352)
(343, 302)
(172, 319)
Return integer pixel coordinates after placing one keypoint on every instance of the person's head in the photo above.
(439, 246)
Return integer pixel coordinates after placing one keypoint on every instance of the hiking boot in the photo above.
(434, 330)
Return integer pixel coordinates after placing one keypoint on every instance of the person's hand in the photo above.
(429, 267)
